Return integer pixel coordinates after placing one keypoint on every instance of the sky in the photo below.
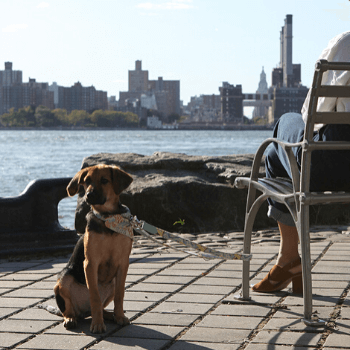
(202, 43)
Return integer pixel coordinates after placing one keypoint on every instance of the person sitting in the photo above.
(330, 170)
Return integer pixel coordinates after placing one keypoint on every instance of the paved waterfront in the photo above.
(179, 302)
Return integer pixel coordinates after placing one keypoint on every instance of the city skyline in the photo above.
(200, 43)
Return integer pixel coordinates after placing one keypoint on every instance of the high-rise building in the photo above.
(79, 97)
(231, 103)
(138, 78)
(289, 94)
(16, 94)
(262, 106)
(9, 77)
(166, 92)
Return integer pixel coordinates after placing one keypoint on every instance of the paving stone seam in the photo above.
(29, 306)
(275, 307)
(153, 306)
(31, 336)
(331, 324)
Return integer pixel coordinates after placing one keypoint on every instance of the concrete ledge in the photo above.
(29, 223)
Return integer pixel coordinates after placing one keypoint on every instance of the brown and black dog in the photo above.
(96, 272)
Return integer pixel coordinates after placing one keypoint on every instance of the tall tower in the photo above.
(287, 51)
(138, 78)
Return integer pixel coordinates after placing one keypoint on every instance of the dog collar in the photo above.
(119, 223)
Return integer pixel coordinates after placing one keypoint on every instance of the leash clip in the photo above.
(136, 223)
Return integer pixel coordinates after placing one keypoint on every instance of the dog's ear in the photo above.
(121, 180)
(78, 179)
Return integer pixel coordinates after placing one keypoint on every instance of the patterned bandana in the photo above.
(119, 223)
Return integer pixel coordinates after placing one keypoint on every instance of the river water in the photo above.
(36, 154)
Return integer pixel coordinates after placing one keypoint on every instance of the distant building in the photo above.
(79, 97)
(16, 94)
(9, 77)
(138, 78)
(154, 123)
(262, 106)
(166, 92)
(289, 93)
(231, 103)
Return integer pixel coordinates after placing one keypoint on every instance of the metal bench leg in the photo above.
(252, 210)
(304, 236)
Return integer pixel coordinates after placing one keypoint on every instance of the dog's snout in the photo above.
(90, 195)
(94, 197)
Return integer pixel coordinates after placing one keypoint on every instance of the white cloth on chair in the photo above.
(338, 50)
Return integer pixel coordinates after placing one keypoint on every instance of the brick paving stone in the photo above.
(203, 289)
(195, 298)
(326, 285)
(317, 300)
(141, 271)
(216, 335)
(277, 347)
(134, 305)
(287, 338)
(4, 283)
(345, 313)
(169, 279)
(18, 302)
(83, 327)
(22, 276)
(330, 277)
(184, 308)
(148, 266)
(189, 264)
(259, 298)
(184, 345)
(174, 271)
(242, 310)
(153, 287)
(338, 339)
(31, 293)
(343, 270)
(57, 342)
(343, 325)
(143, 296)
(286, 324)
(233, 322)
(37, 314)
(10, 339)
(166, 319)
(216, 281)
(115, 343)
(298, 312)
(334, 263)
(6, 311)
(227, 273)
(45, 270)
(133, 278)
(331, 292)
(148, 332)
(18, 326)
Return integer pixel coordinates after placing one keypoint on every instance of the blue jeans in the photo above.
(330, 170)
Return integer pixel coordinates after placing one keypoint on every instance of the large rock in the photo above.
(168, 187)
(198, 189)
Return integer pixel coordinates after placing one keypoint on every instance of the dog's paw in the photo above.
(70, 323)
(98, 327)
(121, 321)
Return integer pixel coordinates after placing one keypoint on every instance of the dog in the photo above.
(96, 272)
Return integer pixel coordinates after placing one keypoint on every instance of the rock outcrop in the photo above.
(168, 187)
(198, 189)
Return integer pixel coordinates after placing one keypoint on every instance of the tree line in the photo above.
(44, 117)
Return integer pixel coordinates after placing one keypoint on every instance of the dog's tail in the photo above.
(51, 309)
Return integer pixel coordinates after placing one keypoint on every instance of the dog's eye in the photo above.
(104, 181)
